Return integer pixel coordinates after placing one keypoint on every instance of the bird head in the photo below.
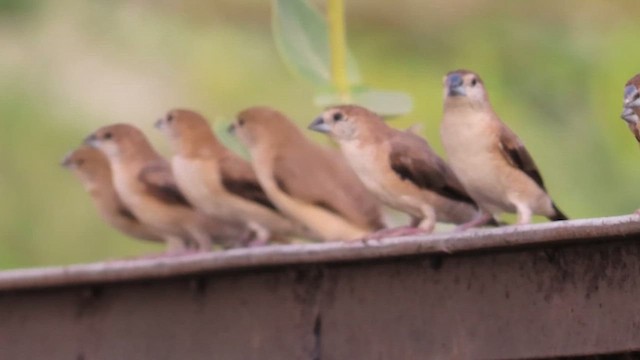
(464, 87)
(87, 163)
(260, 125)
(345, 122)
(114, 140)
(178, 122)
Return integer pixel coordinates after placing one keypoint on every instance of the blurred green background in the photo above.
(555, 72)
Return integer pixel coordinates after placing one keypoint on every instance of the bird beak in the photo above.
(631, 97)
(91, 140)
(159, 123)
(455, 85)
(629, 116)
(320, 126)
(231, 129)
(66, 161)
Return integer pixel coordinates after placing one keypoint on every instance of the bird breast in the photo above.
(366, 160)
(371, 164)
(471, 145)
(198, 179)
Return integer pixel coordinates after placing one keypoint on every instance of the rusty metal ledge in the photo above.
(545, 234)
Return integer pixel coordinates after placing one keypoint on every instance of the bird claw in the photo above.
(393, 232)
(477, 221)
(258, 242)
(462, 228)
(179, 253)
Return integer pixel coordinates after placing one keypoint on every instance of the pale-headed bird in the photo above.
(489, 159)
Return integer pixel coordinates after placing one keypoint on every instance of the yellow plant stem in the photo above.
(338, 48)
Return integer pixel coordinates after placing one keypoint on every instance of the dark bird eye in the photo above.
(79, 162)
(240, 122)
(107, 136)
(169, 118)
(636, 96)
(474, 81)
(338, 116)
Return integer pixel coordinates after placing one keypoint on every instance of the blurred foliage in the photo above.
(17, 7)
(300, 33)
(555, 72)
(314, 48)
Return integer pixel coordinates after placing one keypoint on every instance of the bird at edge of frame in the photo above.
(631, 105)
(631, 109)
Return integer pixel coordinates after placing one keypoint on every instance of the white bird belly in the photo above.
(200, 182)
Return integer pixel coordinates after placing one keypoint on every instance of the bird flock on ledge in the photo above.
(206, 196)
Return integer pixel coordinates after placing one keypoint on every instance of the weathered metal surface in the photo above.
(511, 237)
(543, 291)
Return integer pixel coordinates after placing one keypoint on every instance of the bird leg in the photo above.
(176, 246)
(203, 242)
(428, 223)
(524, 214)
(418, 226)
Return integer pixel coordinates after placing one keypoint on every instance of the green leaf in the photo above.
(384, 103)
(300, 34)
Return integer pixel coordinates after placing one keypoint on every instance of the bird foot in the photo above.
(179, 253)
(394, 232)
(259, 235)
(464, 227)
(166, 254)
(477, 221)
(257, 242)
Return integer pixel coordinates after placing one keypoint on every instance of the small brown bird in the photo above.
(399, 167)
(308, 182)
(631, 105)
(219, 182)
(488, 158)
(91, 167)
(144, 182)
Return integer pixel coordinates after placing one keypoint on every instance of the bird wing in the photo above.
(321, 177)
(517, 155)
(305, 182)
(239, 178)
(126, 213)
(159, 182)
(412, 159)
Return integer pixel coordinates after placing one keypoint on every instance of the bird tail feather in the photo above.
(559, 215)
